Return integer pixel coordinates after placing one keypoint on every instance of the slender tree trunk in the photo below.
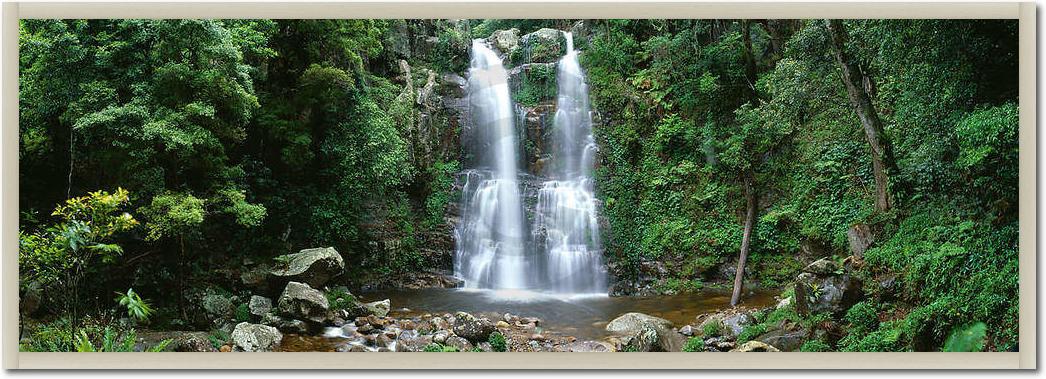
(72, 160)
(751, 203)
(181, 276)
(857, 84)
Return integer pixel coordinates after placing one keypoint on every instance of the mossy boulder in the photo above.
(314, 267)
(642, 332)
(506, 41)
(542, 46)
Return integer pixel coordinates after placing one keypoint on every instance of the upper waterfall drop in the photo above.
(566, 214)
(491, 249)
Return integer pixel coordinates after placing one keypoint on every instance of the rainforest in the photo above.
(518, 185)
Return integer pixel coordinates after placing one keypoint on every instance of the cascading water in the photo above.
(491, 251)
(566, 215)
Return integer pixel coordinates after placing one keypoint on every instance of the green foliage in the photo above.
(712, 329)
(243, 313)
(497, 342)
(218, 337)
(967, 339)
(694, 344)
(751, 332)
(173, 215)
(92, 337)
(339, 298)
(137, 308)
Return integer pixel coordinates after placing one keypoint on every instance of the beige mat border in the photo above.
(1025, 359)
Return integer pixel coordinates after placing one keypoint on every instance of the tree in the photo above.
(176, 216)
(60, 256)
(856, 82)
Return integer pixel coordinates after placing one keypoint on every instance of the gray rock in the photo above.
(255, 337)
(783, 340)
(734, 324)
(860, 238)
(301, 302)
(471, 328)
(460, 343)
(217, 307)
(259, 305)
(754, 347)
(823, 267)
(825, 294)
(643, 332)
(256, 278)
(284, 324)
(378, 308)
(588, 347)
(413, 343)
(505, 40)
(311, 266)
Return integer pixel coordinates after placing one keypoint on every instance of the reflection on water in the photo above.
(582, 316)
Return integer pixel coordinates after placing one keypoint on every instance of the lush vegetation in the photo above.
(158, 157)
(699, 116)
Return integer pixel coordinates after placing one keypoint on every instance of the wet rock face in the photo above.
(310, 266)
(860, 238)
(255, 337)
(641, 332)
(301, 302)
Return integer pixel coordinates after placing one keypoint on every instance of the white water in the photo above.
(491, 250)
(566, 212)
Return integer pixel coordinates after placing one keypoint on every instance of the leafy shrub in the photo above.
(243, 313)
(218, 337)
(497, 342)
(751, 332)
(137, 308)
(694, 344)
(713, 329)
(967, 339)
(437, 348)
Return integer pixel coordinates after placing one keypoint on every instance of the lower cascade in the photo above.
(563, 253)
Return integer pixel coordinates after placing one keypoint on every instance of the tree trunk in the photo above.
(856, 83)
(746, 239)
(749, 57)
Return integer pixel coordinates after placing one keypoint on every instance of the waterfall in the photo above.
(495, 249)
(566, 215)
(491, 251)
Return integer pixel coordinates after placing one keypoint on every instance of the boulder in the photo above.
(505, 41)
(311, 266)
(378, 308)
(284, 324)
(784, 340)
(542, 46)
(217, 306)
(860, 238)
(471, 328)
(196, 342)
(824, 267)
(824, 287)
(413, 343)
(301, 302)
(255, 337)
(256, 279)
(754, 347)
(259, 305)
(641, 332)
(588, 347)
(460, 343)
(735, 323)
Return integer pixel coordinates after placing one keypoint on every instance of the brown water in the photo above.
(584, 317)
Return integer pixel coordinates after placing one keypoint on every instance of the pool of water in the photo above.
(581, 316)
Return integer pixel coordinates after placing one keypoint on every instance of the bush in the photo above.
(814, 346)
(437, 348)
(497, 342)
(694, 344)
(243, 313)
(340, 298)
(713, 329)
